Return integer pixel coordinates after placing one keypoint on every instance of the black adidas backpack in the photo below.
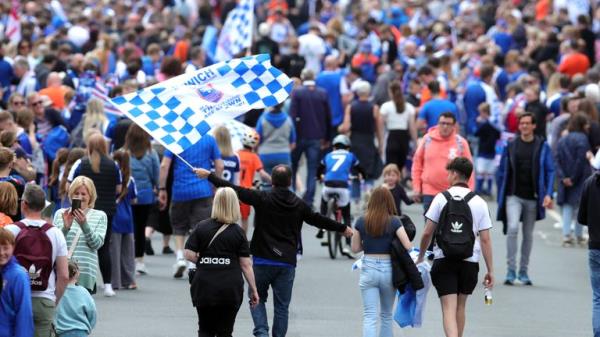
(454, 235)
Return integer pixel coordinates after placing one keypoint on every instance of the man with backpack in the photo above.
(42, 250)
(461, 223)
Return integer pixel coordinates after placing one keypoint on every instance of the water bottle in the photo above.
(487, 296)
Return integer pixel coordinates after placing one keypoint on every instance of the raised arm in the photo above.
(245, 195)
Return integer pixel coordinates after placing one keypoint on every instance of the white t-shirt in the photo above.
(481, 218)
(312, 47)
(396, 121)
(59, 248)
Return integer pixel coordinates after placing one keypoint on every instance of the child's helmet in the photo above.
(250, 138)
(341, 140)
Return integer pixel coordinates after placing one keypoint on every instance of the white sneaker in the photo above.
(108, 291)
(140, 267)
(179, 267)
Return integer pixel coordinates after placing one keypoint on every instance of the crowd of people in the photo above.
(499, 98)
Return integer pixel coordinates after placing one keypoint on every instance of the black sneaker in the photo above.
(167, 250)
(148, 247)
(320, 233)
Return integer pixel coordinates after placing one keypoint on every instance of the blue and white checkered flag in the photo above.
(179, 111)
(236, 33)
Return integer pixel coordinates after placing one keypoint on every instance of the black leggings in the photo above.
(345, 212)
(216, 321)
(104, 254)
(396, 149)
(140, 218)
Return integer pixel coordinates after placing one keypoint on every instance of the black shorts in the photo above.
(454, 277)
(185, 215)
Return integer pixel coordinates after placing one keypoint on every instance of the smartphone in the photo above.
(75, 204)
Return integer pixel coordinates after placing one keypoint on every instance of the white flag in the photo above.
(236, 33)
(179, 111)
(13, 24)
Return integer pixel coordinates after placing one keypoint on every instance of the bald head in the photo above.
(331, 62)
(54, 80)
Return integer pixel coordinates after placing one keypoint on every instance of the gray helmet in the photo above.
(341, 140)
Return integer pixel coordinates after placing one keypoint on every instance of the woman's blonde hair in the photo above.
(226, 206)
(94, 117)
(96, 148)
(88, 184)
(9, 199)
(380, 209)
(223, 138)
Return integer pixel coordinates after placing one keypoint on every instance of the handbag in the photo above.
(192, 271)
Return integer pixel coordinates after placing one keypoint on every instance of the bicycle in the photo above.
(334, 239)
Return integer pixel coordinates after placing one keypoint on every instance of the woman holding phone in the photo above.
(84, 228)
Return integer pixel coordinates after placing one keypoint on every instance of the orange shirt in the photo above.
(56, 95)
(5, 220)
(249, 164)
(573, 64)
(181, 50)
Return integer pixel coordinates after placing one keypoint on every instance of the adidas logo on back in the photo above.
(34, 275)
(456, 227)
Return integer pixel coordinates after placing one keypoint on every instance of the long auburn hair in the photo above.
(137, 141)
(122, 158)
(61, 158)
(397, 96)
(97, 148)
(380, 209)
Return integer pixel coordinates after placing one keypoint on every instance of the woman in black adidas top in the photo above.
(219, 248)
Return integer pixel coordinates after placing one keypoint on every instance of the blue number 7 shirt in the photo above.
(338, 165)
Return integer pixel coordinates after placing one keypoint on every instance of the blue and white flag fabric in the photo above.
(237, 130)
(179, 111)
(236, 33)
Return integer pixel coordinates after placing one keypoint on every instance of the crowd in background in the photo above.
(412, 83)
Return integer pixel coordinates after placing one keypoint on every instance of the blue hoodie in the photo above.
(16, 317)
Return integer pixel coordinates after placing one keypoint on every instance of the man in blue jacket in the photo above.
(525, 185)
(16, 316)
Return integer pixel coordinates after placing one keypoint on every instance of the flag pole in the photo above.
(185, 161)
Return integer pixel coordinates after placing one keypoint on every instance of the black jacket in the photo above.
(589, 212)
(278, 219)
(404, 270)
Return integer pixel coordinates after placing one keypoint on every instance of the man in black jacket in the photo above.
(278, 219)
(589, 215)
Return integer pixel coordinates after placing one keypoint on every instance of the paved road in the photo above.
(326, 300)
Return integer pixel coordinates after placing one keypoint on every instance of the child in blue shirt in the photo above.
(76, 311)
(335, 171)
(121, 243)
(488, 135)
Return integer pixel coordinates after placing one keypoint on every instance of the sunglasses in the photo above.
(36, 103)
(18, 103)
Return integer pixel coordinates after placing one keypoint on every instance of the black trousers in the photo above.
(216, 321)
(140, 218)
(104, 254)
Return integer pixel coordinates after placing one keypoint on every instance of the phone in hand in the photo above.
(75, 204)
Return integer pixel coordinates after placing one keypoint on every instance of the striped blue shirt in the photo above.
(186, 185)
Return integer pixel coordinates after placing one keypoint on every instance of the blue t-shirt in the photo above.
(186, 185)
(432, 110)
(123, 218)
(231, 167)
(330, 82)
(381, 244)
(338, 165)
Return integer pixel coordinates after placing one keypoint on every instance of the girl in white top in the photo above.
(399, 119)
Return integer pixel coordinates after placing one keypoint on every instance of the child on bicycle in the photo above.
(250, 164)
(334, 172)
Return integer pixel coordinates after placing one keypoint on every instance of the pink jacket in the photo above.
(429, 162)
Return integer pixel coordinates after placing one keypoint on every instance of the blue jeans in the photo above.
(281, 280)
(569, 215)
(74, 333)
(269, 162)
(377, 290)
(594, 260)
(312, 149)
